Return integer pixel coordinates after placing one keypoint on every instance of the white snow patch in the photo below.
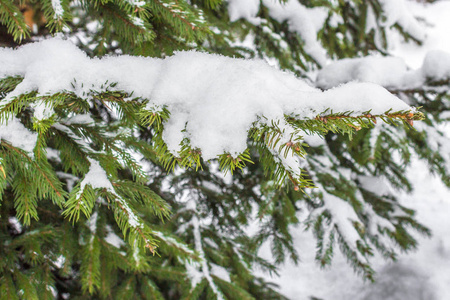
(173, 242)
(398, 12)
(15, 223)
(376, 185)
(92, 222)
(436, 65)
(42, 111)
(96, 177)
(246, 9)
(113, 239)
(18, 135)
(53, 154)
(58, 9)
(59, 262)
(80, 119)
(136, 3)
(220, 272)
(390, 72)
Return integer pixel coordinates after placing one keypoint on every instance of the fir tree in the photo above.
(95, 203)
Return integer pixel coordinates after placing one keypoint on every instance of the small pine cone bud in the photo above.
(410, 122)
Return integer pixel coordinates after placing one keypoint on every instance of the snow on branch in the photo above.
(213, 100)
(304, 21)
(397, 12)
(390, 72)
(18, 135)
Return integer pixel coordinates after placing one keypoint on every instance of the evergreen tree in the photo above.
(96, 202)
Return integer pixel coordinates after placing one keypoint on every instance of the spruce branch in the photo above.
(11, 16)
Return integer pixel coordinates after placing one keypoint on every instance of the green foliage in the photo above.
(11, 17)
(160, 225)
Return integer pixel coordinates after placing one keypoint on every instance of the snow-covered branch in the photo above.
(213, 100)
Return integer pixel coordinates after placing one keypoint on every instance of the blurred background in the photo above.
(421, 274)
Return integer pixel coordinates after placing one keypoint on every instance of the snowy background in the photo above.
(423, 274)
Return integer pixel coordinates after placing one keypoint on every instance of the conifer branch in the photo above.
(58, 192)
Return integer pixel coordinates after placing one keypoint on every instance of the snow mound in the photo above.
(390, 72)
(385, 71)
(436, 65)
(18, 135)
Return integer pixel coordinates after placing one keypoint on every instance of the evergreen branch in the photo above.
(90, 265)
(14, 106)
(132, 32)
(56, 13)
(179, 12)
(138, 228)
(147, 196)
(7, 286)
(196, 291)
(80, 201)
(56, 189)
(149, 290)
(13, 19)
(232, 290)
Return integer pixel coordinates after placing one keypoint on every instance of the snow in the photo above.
(215, 99)
(136, 253)
(15, 223)
(389, 72)
(172, 242)
(247, 9)
(436, 65)
(211, 186)
(58, 9)
(59, 262)
(305, 21)
(70, 179)
(80, 119)
(133, 219)
(196, 271)
(137, 21)
(437, 23)
(220, 272)
(422, 274)
(17, 135)
(385, 71)
(204, 265)
(398, 12)
(343, 215)
(113, 239)
(195, 276)
(79, 140)
(136, 3)
(92, 222)
(96, 178)
(376, 185)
